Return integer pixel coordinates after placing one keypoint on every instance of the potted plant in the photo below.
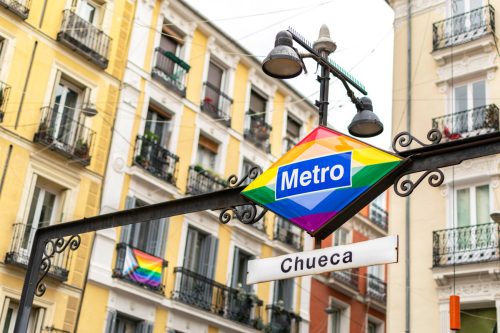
(81, 149)
(151, 137)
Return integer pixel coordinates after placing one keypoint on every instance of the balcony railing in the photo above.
(282, 321)
(289, 143)
(287, 233)
(84, 38)
(170, 71)
(62, 133)
(348, 277)
(259, 132)
(4, 96)
(202, 181)
(376, 288)
(205, 294)
(19, 7)
(155, 159)
(466, 245)
(378, 216)
(463, 28)
(464, 124)
(216, 104)
(20, 249)
(140, 268)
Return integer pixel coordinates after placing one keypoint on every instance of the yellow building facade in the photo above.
(453, 240)
(193, 109)
(61, 64)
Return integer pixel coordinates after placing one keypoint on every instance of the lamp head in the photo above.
(365, 123)
(283, 62)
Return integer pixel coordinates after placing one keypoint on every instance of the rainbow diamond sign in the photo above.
(324, 180)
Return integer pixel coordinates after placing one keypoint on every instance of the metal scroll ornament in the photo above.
(405, 139)
(52, 248)
(406, 187)
(248, 213)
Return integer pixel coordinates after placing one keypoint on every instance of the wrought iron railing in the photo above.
(463, 28)
(84, 38)
(20, 250)
(349, 277)
(62, 133)
(480, 120)
(378, 216)
(285, 233)
(216, 104)
(282, 321)
(466, 245)
(4, 96)
(289, 143)
(155, 159)
(259, 131)
(170, 70)
(140, 268)
(376, 288)
(202, 181)
(19, 7)
(204, 293)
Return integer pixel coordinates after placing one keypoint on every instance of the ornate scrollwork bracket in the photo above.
(248, 213)
(405, 139)
(406, 187)
(52, 248)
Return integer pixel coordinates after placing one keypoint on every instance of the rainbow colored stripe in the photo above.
(143, 268)
(311, 211)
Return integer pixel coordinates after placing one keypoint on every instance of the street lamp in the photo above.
(285, 62)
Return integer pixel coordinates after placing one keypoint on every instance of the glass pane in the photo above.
(478, 94)
(293, 128)
(257, 103)
(67, 116)
(458, 7)
(47, 209)
(336, 317)
(88, 12)
(461, 99)
(215, 75)
(482, 204)
(463, 207)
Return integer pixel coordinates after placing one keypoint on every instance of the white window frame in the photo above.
(345, 315)
(380, 325)
(98, 14)
(468, 83)
(36, 319)
(453, 221)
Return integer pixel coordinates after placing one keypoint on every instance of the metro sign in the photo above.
(324, 180)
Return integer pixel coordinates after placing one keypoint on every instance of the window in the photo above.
(372, 327)
(336, 317)
(9, 315)
(246, 167)
(240, 269)
(90, 11)
(293, 127)
(376, 271)
(3, 44)
(121, 323)
(472, 205)
(201, 252)
(257, 106)
(206, 155)
(340, 237)
(158, 125)
(149, 236)
(471, 96)
(283, 293)
(170, 41)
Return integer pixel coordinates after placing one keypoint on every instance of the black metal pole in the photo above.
(322, 104)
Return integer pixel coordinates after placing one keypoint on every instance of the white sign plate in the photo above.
(373, 252)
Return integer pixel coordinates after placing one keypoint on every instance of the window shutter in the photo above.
(125, 235)
(236, 267)
(212, 258)
(288, 293)
(162, 237)
(191, 240)
(111, 321)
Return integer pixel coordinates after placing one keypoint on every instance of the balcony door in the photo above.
(65, 113)
(90, 12)
(468, 100)
(466, 22)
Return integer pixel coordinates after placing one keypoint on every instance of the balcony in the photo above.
(347, 277)
(216, 104)
(170, 71)
(62, 133)
(282, 321)
(202, 181)
(20, 249)
(289, 143)
(4, 97)
(466, 245)
(463, 28)
(85, 39)
(19, 7)
(259, 132)
(139, 268)
(378, 216)
(288, 233)
(376, 288)
(464, 124)
(155, 159)
(205, 294)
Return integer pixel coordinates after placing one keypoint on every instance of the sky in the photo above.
(362, 30)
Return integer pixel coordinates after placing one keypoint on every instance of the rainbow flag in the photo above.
(319, 177)
(142, 267)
